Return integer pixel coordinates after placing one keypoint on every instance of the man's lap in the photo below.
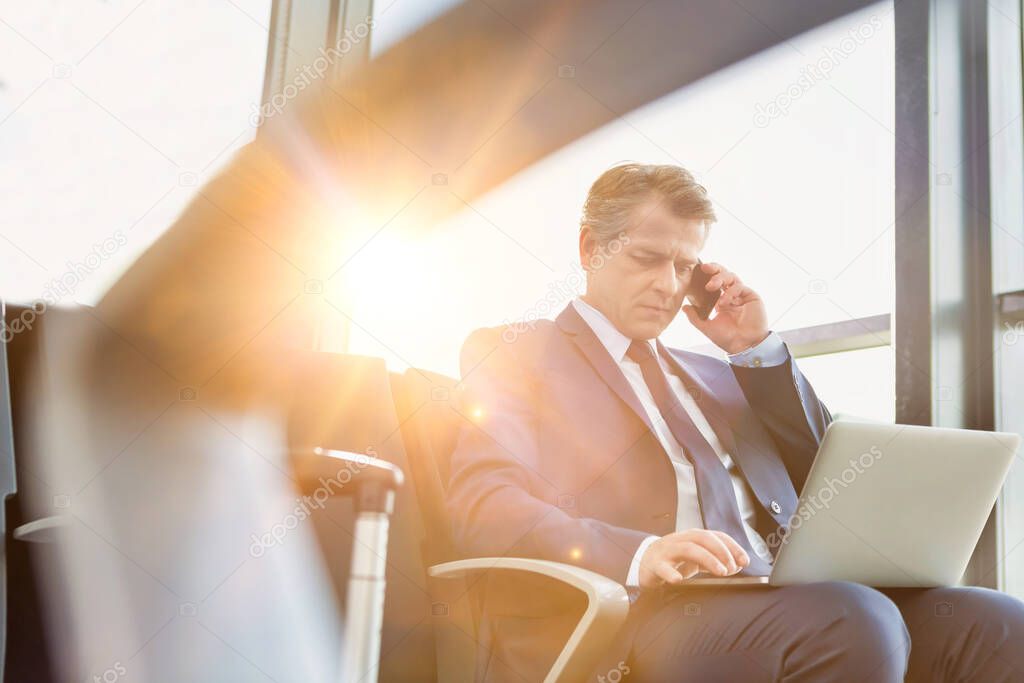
(962, 633)
(829, 631)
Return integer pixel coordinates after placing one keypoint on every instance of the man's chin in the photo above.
(645, 329)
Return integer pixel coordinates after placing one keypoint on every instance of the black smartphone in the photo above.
(701, 299)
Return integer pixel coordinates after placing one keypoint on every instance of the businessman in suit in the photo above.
(593, 444)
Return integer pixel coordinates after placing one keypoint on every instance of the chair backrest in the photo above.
(427, 404)
(428, 407)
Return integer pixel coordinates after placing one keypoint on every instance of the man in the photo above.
(596, 445)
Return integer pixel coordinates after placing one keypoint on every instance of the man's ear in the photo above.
(587, 246)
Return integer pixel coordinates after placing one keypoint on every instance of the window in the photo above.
(856, 384)
(112, 120)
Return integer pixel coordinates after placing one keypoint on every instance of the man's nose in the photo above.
(666, 283)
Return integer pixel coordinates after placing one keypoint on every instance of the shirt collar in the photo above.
(616, 343)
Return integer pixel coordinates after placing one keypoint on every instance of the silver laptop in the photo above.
(891, 505)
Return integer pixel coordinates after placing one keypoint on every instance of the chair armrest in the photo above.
(607, 607)
(44, 530)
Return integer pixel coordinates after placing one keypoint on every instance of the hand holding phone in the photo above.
(698, 295)
(742, 320)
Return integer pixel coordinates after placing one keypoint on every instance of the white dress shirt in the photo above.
(769, 352)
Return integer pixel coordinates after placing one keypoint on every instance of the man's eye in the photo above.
(683, 270)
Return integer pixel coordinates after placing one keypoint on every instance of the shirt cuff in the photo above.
(770, 352)
(633, 577)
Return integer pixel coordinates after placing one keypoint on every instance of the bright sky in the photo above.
(111, 120)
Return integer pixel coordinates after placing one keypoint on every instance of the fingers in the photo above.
(735, 295)
(667, 572)
(719, 548)
(702, 557)
(739, 554)
(678, 556)
(704, 548)
(688, 569)
(724, 280)
(720, 277)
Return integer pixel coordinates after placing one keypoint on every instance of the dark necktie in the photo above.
(714, 485)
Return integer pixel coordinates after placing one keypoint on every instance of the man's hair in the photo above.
(613, 197)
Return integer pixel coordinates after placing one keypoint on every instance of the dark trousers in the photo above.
(832, 631)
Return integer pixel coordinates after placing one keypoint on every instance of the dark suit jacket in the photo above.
(557, 461)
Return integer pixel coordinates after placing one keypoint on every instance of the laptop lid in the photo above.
(894, 505)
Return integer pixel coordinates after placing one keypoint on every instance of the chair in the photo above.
(344, 402)
(427, 405)
(431, 612)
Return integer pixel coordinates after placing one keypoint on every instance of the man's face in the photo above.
(641, 288)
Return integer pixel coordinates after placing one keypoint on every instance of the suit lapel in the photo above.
(705, 392)
(746, 441)
(570, 322)
(718, 396)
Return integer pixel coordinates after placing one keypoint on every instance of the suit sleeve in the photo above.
(501, 499)
(786, 404)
